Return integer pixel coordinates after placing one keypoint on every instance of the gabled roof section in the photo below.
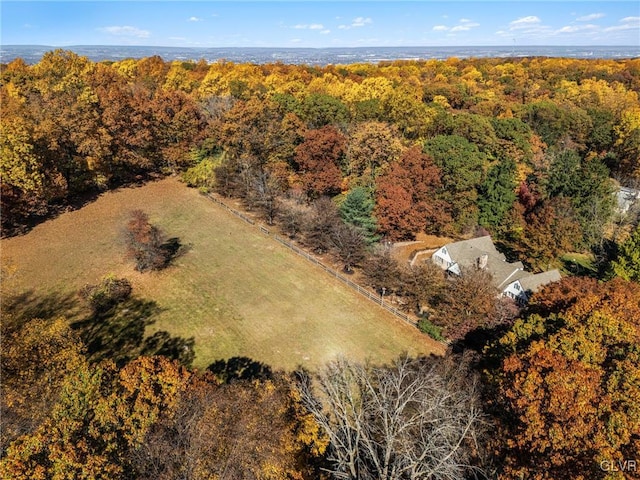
(533, 282)
(468, 252)
(481, 253)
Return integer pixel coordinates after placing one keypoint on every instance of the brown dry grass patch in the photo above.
(236, 291)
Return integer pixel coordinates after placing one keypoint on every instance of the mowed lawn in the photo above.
(236, 291)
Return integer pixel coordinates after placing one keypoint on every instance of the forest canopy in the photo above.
(72, 127)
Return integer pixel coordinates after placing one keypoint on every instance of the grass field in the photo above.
(236, 291)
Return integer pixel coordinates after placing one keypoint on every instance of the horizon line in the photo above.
(322, 48)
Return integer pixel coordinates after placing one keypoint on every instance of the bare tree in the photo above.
(320, 225)
(264, 193)
(412, 420)
(381, 270)
(350, 245)
(292, 215)
(423, 283)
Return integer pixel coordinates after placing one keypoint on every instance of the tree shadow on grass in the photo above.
(173, 249)
(240, 368)
(118, 334)
(28, 305)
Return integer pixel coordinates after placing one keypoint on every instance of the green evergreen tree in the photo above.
(357, 210)
(462, 164)
(497, 193)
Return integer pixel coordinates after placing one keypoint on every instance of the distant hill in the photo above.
(317, 56)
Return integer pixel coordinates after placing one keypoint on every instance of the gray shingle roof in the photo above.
(468, 252)
(533, 282)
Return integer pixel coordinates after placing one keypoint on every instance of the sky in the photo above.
(320, 24)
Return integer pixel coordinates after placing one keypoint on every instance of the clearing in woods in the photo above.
(236, 291)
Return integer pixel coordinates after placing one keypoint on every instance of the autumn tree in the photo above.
(320, 110)
(372, 146)
(245, 429)
(423, 284)
(626, 265)
(103, 414)
(405, 197)
(540, 230)
(568, 383)
(38, 356)
(466, 303)
(550, 231)
(292, 216)
(146, 244)
(627, 145)
(22, 173)
(248, 134)
(155, 419)
(411, 419)
(319, 158)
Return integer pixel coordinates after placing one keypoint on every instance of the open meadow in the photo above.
(235, 291)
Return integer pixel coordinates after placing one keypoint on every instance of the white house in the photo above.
(626, 199)
(511, 279)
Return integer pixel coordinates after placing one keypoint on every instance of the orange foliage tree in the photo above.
(319, 158)
(569, 382)
(405, 197)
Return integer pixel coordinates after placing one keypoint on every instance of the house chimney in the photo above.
(482, 261)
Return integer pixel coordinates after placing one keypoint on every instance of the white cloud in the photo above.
(325, 32)
(361, 21)
(524, 22)
(618, 28)
(356, 23)
(577, 28)
(125, 31)
(195, 19)
(464, 26)
(592, 16)
(628, 23)
(313, 26)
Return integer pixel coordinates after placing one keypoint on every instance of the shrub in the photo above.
(109, 292)
(434, 331)
(145, 243)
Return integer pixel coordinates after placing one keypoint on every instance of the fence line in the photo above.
(361, 290)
